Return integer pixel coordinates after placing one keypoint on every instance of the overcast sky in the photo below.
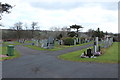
(90, 14)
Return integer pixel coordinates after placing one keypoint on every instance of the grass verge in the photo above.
(56, 48)
(3, 51)
(110, 55)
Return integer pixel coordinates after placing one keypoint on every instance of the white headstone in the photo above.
(37, 43)
(50, 42)
(44, 44)
(74, 41)
(96, 40)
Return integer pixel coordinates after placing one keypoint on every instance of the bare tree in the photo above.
(18, 28)
(33, 26)
(90, 32)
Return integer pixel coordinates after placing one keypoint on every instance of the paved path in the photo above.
(45, 64)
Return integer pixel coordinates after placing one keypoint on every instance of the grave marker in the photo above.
(50, 42)
(75, 41)
(96, 40)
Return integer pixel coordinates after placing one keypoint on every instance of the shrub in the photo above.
(68, 41)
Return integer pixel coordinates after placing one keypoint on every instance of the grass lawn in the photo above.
(57, 47)
(3, 51)
(110, 55)
(11, 43)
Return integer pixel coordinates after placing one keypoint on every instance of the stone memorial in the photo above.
(96, 40)
(95, 47)
(79, 40)
(50, 42)
(44, 44)
(89, 52)
(75, 41)
(85, 40)
(60, 42)
(37, 43)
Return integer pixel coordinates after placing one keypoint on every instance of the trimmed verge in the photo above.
(110, 55)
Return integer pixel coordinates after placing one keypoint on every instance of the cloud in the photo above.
(49, 13)
(71, 5)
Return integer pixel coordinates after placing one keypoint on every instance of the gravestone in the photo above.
(85, 40)
(75, 41)
(44, 44)
(50, 42)
(99, 48)
(89, 53)
(96, 40)
(60, 42)
(102, 44)
(95, 47)
(79, 40)
(37, 43)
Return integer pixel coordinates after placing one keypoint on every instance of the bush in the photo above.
(68, 41)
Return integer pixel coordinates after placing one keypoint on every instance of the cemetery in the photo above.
(105, 55)
(93, 53)
(56, 39)
(73, 39)
(52, 45)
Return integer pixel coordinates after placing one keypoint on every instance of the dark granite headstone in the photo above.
(89, 53)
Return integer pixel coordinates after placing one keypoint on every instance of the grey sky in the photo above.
(59, 13)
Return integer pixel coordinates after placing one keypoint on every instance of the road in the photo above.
(45, 64)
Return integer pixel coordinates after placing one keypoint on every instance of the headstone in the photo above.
(37, 43)
(50, 42)
(61, 41)
(79, 40)
(99, 48)
(44, 44)
(75, 41)
(95, 47)
(85, 40)
(102, 43)
(89, 53)
(96, 39)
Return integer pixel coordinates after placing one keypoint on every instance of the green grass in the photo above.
(39, 48)
(14, 43)
(3, 50)
(57, 47)
(110, 55)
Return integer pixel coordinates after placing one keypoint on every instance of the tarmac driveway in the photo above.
(45, 64)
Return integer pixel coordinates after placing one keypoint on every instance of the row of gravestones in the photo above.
(76, 41)
(48, 43)
(107, 42)
(96, 47)
(104, 43)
